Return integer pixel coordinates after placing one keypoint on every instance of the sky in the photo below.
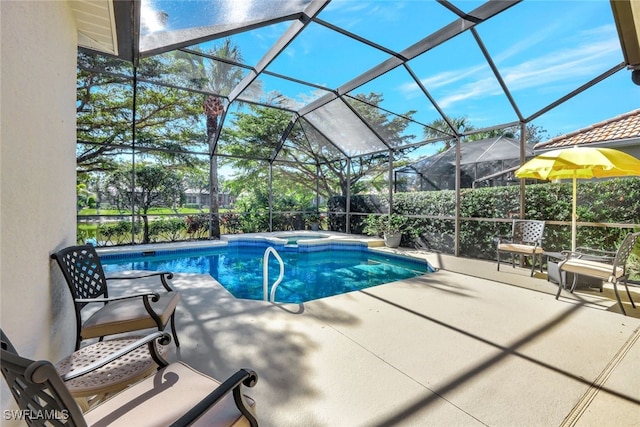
(543, 51)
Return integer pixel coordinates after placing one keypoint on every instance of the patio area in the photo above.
(447, 348)
(450, 348)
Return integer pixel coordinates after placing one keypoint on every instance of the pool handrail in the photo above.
(265, 273)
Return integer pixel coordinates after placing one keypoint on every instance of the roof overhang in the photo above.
(627, 16)
(96, 25)
(107, 26)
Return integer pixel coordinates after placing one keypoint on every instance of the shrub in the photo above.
(117, 233)
(197, 226)
(378, 225)
(231, 221)
(167, 229)
(610, 201)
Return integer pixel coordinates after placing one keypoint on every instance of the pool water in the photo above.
(308, 275)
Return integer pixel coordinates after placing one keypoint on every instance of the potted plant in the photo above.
(313, 220)
(390, 227)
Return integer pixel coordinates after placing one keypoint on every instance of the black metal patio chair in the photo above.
(175, 395)
(86, 279)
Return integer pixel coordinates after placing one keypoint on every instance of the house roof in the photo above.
(620, 129)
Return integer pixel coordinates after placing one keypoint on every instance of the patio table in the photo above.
(96, 385)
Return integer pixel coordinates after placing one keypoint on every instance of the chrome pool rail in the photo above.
(265, 274)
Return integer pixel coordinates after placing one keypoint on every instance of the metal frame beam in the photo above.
(289, 35)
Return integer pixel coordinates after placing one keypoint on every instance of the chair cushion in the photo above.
(163, 398)
(128, 315)
(592, 268)
(519, 248)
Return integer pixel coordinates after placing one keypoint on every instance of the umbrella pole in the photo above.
(573, 216)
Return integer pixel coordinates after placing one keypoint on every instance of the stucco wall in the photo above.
(37, 175)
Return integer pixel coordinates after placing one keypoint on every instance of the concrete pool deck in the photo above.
(446, 348)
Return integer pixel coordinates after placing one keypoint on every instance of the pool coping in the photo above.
(224, 240)
(373, 244)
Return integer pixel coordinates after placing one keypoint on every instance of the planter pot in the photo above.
(315, 226)
(392, 240)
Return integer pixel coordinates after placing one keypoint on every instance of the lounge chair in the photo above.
(175, 395)
(85, 276)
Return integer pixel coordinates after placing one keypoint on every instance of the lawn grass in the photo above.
(154, 211)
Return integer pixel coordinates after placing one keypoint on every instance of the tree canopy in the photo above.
(152, 185)
(255, 134)
(461, 126)
(166, 119)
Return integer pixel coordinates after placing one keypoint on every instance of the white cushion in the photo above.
(519, 248)
(128, 315)
(163, 398)
(592, 268)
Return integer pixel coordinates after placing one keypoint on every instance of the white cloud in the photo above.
(478, 89)
(350, 13)
(236, 11)
(442, 79)
(151, 17)
(569, 64)
(566, 64)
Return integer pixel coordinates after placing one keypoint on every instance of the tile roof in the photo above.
(623, 127)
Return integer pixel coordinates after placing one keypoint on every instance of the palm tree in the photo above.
(218, 77)
(213, 109)
(439, 126)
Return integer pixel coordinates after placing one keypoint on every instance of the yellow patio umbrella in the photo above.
(579, 163)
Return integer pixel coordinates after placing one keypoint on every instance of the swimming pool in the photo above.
(311, 271)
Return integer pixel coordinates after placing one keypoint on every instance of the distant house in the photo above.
(200, 199)
(485, 163)
(621, 132)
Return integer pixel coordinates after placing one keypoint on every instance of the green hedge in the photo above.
(611, 201)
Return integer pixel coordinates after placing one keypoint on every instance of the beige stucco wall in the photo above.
(37, 175)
